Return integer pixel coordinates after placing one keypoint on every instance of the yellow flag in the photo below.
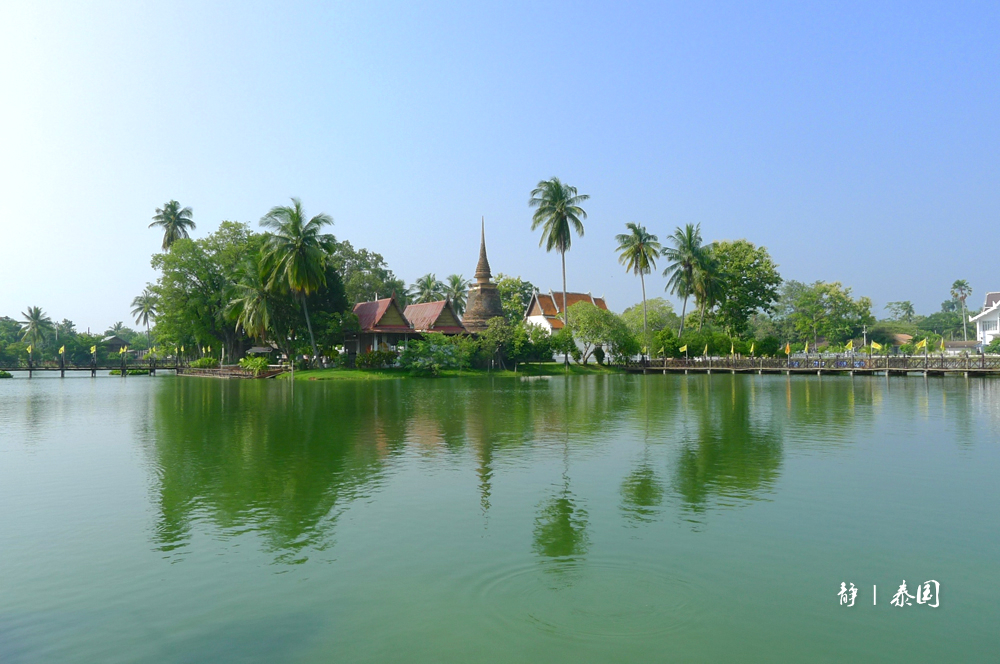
(876, 345)
(788, 348)
(62, 350)
(209, 349)
(850, 345)
(942, 344)
(807, 348)
(93, 349)
(732, 348)
(752, 344)
(706, 350)
(182, 349)
(121, 351)
(683, 348)
(29, 350)
(922, 343)
(661, 350)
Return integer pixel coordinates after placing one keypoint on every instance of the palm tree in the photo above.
(961, 290)
(35, 326)
(426, 289)
(117, 328)
(144, 310)
(686, 257)
(709, 283)
(295, 254)
(456, 289)
(175, 222)
(253, 303)
(638, 251)
(559, 213)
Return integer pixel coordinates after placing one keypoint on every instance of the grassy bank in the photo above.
(545, 369)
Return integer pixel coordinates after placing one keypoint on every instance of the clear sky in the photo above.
(858, 142)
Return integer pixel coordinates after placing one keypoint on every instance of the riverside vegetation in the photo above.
(293, 285)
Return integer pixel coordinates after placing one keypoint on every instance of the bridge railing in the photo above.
(829, 363)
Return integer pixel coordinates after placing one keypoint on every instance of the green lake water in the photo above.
(583, 519)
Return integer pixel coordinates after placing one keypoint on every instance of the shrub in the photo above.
(131, 372)
(375, 359)
(433, 354)
(4, 374)
(255, 365)
(205, 363)
(993, 346)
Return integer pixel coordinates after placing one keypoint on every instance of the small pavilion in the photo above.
(383, 325)
(437, 316)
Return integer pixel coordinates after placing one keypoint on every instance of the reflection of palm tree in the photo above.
(35, 326)
(642, 493)
(561, 528)
(174, 221)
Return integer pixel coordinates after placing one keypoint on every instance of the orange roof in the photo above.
(552, 309)
(424, 317)
(370, 313)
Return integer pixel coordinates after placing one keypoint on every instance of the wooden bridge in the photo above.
(929, 365)
(148, 366)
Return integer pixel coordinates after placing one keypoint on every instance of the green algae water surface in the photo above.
(583, 519)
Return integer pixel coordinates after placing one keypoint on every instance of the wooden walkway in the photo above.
(930, 365)
(147, 366)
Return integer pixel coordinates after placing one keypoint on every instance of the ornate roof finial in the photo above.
(483, 268)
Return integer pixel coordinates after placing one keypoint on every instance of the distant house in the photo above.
(901, 339)
(960, 347)
(434, 317)
(988, 320)
(113, 344)
(546, 309)
(383, 325)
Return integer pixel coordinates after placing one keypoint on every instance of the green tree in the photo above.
(253, 304)
(827, 309)
(175, 222)
(709, 283)
(365, 274)
(685, 259)
(658, 313)
(559, 214)
(593, 326)
(456, 289)
(36, 326)
(515, 296)
(960, 290)
(295, 252)
(426, 289)
(637, 251)
(144, 310)
(751, 284)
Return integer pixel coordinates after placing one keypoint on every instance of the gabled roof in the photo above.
(370, 316)
(551, 305)
(424, 317)
(992, 302)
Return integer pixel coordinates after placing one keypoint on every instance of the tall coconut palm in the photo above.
(35, 326)
(144, 310)
(709, 283)
(117, 328)
(253, 303)
(559, 214)
(175, 222)
(637, 251)
(456, 289)
(426, 289)
(295, 254)
(961, 290)
(685, 256)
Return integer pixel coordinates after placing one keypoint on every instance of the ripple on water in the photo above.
(589, 599)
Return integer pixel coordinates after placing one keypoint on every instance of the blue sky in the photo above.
(858, 142)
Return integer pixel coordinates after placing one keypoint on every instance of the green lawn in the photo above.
(545, 369)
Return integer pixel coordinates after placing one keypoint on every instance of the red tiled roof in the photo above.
(370, 313)
(551, 305)
(424, 317)
(991, 299)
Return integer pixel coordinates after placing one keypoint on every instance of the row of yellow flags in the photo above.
(788, 347)
(124, 349)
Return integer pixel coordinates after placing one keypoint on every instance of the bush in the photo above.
(430, 356)
(993, 346)
(131, 372)
(255, 365)
(375, 359)
(205, 363)
(4, 374)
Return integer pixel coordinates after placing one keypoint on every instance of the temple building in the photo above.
(483, 302)
(383, 324)
(437, 316)
(547, 310)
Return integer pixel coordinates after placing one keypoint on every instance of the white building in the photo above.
(988, 320)
(546, 309)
